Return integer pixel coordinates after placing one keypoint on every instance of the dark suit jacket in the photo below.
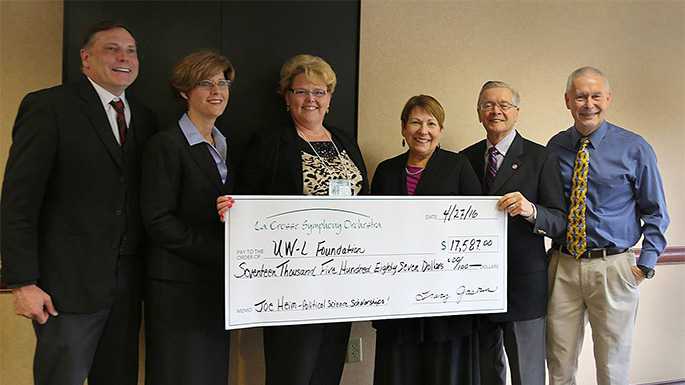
(70, 198)
(180, 184)
(273, 161)
(446, 173)
(533, 170)
(273, 166)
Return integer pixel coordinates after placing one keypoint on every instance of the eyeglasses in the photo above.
(316, 93)
(489, 106)
(208, 84)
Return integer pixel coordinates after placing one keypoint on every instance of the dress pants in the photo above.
(525, 345)
(451, 362)
(305, 354)
(186, 341)
(102, 346)
(602, 291)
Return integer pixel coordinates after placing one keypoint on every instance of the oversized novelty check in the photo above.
(297, 260)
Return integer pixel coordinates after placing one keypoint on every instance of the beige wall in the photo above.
(30, 59)
(448, 50)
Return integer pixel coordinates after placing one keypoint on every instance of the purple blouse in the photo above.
(413, 175)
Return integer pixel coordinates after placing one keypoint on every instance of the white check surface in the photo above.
(295, 260)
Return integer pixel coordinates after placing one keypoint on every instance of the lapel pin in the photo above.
(514, 166)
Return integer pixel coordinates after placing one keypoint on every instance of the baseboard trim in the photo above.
(666, 382)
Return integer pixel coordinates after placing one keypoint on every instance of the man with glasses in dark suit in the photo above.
(527, 177)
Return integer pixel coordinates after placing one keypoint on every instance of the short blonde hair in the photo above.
(196, 67)
(426, 103)
(311, 66)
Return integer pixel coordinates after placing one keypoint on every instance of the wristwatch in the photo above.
(649, 273)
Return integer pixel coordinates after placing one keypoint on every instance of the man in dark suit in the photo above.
(527, 177)
(71, 226)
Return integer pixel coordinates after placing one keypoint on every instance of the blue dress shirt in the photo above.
(219, 149)
(625, 196)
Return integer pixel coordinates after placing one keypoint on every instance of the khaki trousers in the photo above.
(602, 291)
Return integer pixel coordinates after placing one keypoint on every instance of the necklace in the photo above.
(406, 169)
(343, 161)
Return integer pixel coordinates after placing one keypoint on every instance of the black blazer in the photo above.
(273, 161)
(532, 170)
(180, 185)
(446, 173)
(70, 198)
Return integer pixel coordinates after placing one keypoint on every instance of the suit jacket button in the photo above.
(118, 213)
(122, 179)
(114, 245)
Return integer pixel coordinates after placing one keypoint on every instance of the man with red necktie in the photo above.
(71, 225)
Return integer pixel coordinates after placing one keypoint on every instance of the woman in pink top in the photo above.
(435, 350)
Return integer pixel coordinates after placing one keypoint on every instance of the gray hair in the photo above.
(516, 99)
(586, 71)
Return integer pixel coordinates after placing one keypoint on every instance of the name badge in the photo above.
(340, 188)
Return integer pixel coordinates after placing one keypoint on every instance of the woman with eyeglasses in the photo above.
(433, 350)
(304, 157)
(185, 169)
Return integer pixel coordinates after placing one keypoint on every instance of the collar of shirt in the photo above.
(218, 151)
(595, 137)
(502, 147)
(106, 97)
(193, 135)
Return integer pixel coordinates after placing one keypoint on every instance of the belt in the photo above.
(598, 252)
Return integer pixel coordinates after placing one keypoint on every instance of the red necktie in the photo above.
(121, 119)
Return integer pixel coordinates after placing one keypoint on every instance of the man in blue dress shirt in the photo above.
(593, 274)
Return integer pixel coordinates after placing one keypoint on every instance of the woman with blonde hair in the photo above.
(304, 157)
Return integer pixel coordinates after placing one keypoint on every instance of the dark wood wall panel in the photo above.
(165, 31)
(257, 36)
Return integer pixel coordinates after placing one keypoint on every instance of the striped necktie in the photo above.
(121, 119)
(575, 236)
(491, 169)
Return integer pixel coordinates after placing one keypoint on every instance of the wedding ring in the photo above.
(512, 206)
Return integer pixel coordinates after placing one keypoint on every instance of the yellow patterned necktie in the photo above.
(575, 236)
